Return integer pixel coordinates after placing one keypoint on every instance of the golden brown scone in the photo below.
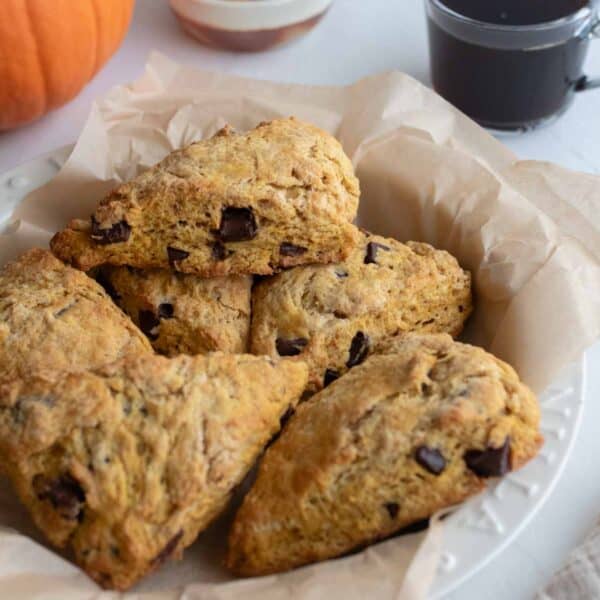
(331, 316)
(55, 318)
(183, 314)
(418, 428)
(127, 466)
(280, 195)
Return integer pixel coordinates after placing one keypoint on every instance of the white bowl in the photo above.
(248, 25)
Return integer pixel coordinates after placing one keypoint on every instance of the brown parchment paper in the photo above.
(528, 231)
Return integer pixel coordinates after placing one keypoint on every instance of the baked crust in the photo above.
(54, 318)
(184, 314)
(415, 428)
(330, 316)
(128, 465)
(280, 195)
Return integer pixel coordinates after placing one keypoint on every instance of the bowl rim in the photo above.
(244, 3)
(248, 15)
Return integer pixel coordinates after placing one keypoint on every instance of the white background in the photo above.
(357, 38)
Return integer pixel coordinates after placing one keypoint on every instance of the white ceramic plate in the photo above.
(482, 527)
(485, 525)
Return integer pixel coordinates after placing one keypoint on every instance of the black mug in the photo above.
(505, 72)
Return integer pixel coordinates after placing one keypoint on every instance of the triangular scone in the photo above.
(55, 318)
(282, 194)
(125, 467)
(388, 444)
(182, 313)
(331, 316)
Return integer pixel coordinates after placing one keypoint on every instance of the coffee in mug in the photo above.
(510, 64)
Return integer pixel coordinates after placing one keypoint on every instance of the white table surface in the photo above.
(357, 38)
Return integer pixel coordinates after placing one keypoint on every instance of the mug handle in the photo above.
(585, 83)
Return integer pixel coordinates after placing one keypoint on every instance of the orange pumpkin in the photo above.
(49, 49)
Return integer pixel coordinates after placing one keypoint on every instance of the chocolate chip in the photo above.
(491, 462)
(461, 308)
(65, 494)
(218, 251)
(392, 508)
(165, 310)
(330, 376)
(341, 274)
(359, 349)
(287, 249)
(167, 550)
(237, 224)
(149, 324)
(426, 389)
(291, 347)
(175, 255)
(371, 254)
(430, 459)
(119, 232)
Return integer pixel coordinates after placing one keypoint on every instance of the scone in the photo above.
(280, 195)
(406, 433)
(55, 318)
(125, 467)
(183, 314)
(330, 316)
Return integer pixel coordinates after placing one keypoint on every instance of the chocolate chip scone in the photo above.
(331, 315)
(55, 318)
(183, 314)
(280, 195)
(406, 433)
(128, 465)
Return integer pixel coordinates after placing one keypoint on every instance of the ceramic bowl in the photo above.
(248, 25)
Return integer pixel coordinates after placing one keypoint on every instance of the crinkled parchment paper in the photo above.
(528, 231)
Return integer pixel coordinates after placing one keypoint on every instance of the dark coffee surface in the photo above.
(515, 12)
(505, 89)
